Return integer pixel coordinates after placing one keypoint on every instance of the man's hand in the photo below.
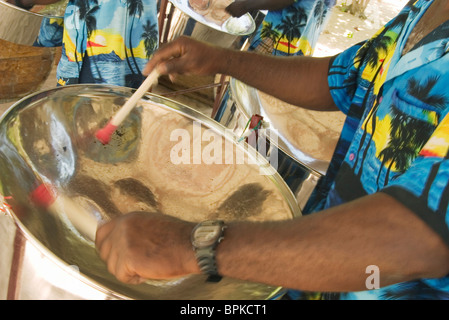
(144, 245)
(238, 8)
(277, 76)
(186, 56)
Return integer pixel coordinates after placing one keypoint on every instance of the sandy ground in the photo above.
(344, 29)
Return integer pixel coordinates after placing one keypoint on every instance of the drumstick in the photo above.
(104, 135)
(46, 196)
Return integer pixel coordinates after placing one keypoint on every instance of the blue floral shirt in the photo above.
(396, 136)
(103, 41)
(293, 30)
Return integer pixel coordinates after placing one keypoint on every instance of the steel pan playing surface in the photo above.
(49, 137)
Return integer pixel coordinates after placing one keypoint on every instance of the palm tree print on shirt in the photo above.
(150, 35)
(376, 60)
(291, 27)
(404, 143)
(135, 8)
(293, 30)
(87, 15)
(409, 134)
(108, 41)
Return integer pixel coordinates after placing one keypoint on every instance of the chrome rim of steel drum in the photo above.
(300, 171)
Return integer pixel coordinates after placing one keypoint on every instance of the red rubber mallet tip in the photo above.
(104, 135)
(43, 196)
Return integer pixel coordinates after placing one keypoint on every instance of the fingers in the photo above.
(162, 56)
(135, 246)
(120, 267)
(104, 245)
(116, 261)
(185, 56)
(118, 264)
(102, 233)
(236, 9)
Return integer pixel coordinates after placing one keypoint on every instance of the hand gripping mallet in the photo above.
(104, 134)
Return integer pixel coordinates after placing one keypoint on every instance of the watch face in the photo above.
(205, 236)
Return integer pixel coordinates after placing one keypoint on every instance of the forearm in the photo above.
(267, 4)
(43, 2)
(330, 251)
(327, 251)
(30, 3)
(300, 81)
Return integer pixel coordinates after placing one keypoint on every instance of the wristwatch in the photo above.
(205, 237)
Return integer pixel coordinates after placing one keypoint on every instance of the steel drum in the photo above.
(48, 137)
(186, 21)
(22, 27)
(301, 170)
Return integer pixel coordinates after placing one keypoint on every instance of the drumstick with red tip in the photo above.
(46, 197)
(104, 134)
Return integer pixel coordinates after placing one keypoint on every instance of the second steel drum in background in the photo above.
(304, 141)
(222, 30)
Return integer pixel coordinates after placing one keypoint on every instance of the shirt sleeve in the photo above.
(424, 187)
(343, 77)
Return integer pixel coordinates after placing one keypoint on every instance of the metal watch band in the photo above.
(205, 255)
(206, 262)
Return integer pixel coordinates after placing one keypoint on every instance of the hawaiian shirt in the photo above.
(396, 136)
(50, 32)
(293, 30)
(107, 41)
